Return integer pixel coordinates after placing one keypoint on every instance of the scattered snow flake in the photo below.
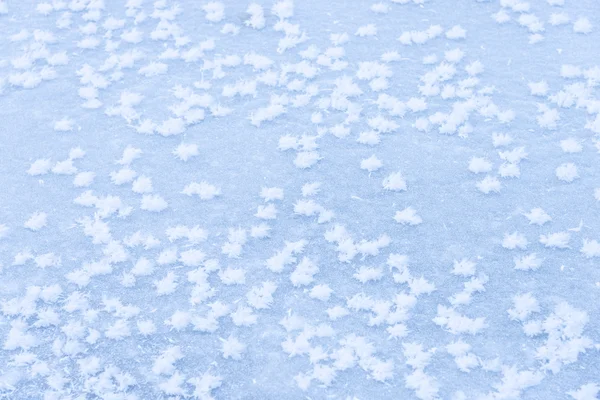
(538, 216)
(266, 212)
(524, 306)
(571, 145)
(559, 240)
(142, 184)
(306, 159)
(164, 363)
(179, 320)
(203, 190)
(171, 126)
(84, 179)
(416, 104)
(288, 142)
(420, 286)
(119, 330)
(535, 38)
(397, 331)
(232, 276)
(514, 156)
(514, 240)
(425, 386)
(538, 88)
(261, 297)
(76, 153)
(371, 138)
(283, 9)
(192, 257)
(380, 8)
(590, 248)
(3, 230)
(243, 316)
(321, 292)
(501, 139)
(204, 385)
(515, 381)
(467, 362)
(257, 16)
(371, 164)
(456, 323)
(47, 260)
(565, 339)
(475, 68)
(304, 272)
(531, 22)
(528, 262)
(65, 167)
(567, 172)
(408, 216)
(122, 176)
(143, 267)
(456, 32)
(167, 285)
(271, 194)
(394, 182)
(340, 131)
(310, 189)
(133, 36)
(557, 19)
(64, 125)
(172, 386)
(420, 37)
(111, 24)
(36, 221)
(570, 71)
(337, 312)
(464, 267)
(366, 30)
(153, 202)
(129, 155)
(260, 231)
(588, 391)
(509, 170)
(549, 117)
(501, 16)
(154, 69)
(232, 348)
(454, 56)
(366, 274)
(146, 327)
(582, 25)
(185, 151)
(489, 184)
(479, 165)
(40, 167)
(257, 61)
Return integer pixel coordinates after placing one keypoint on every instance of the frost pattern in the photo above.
(285, 199)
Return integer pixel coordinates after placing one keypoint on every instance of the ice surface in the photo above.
(395, 199)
